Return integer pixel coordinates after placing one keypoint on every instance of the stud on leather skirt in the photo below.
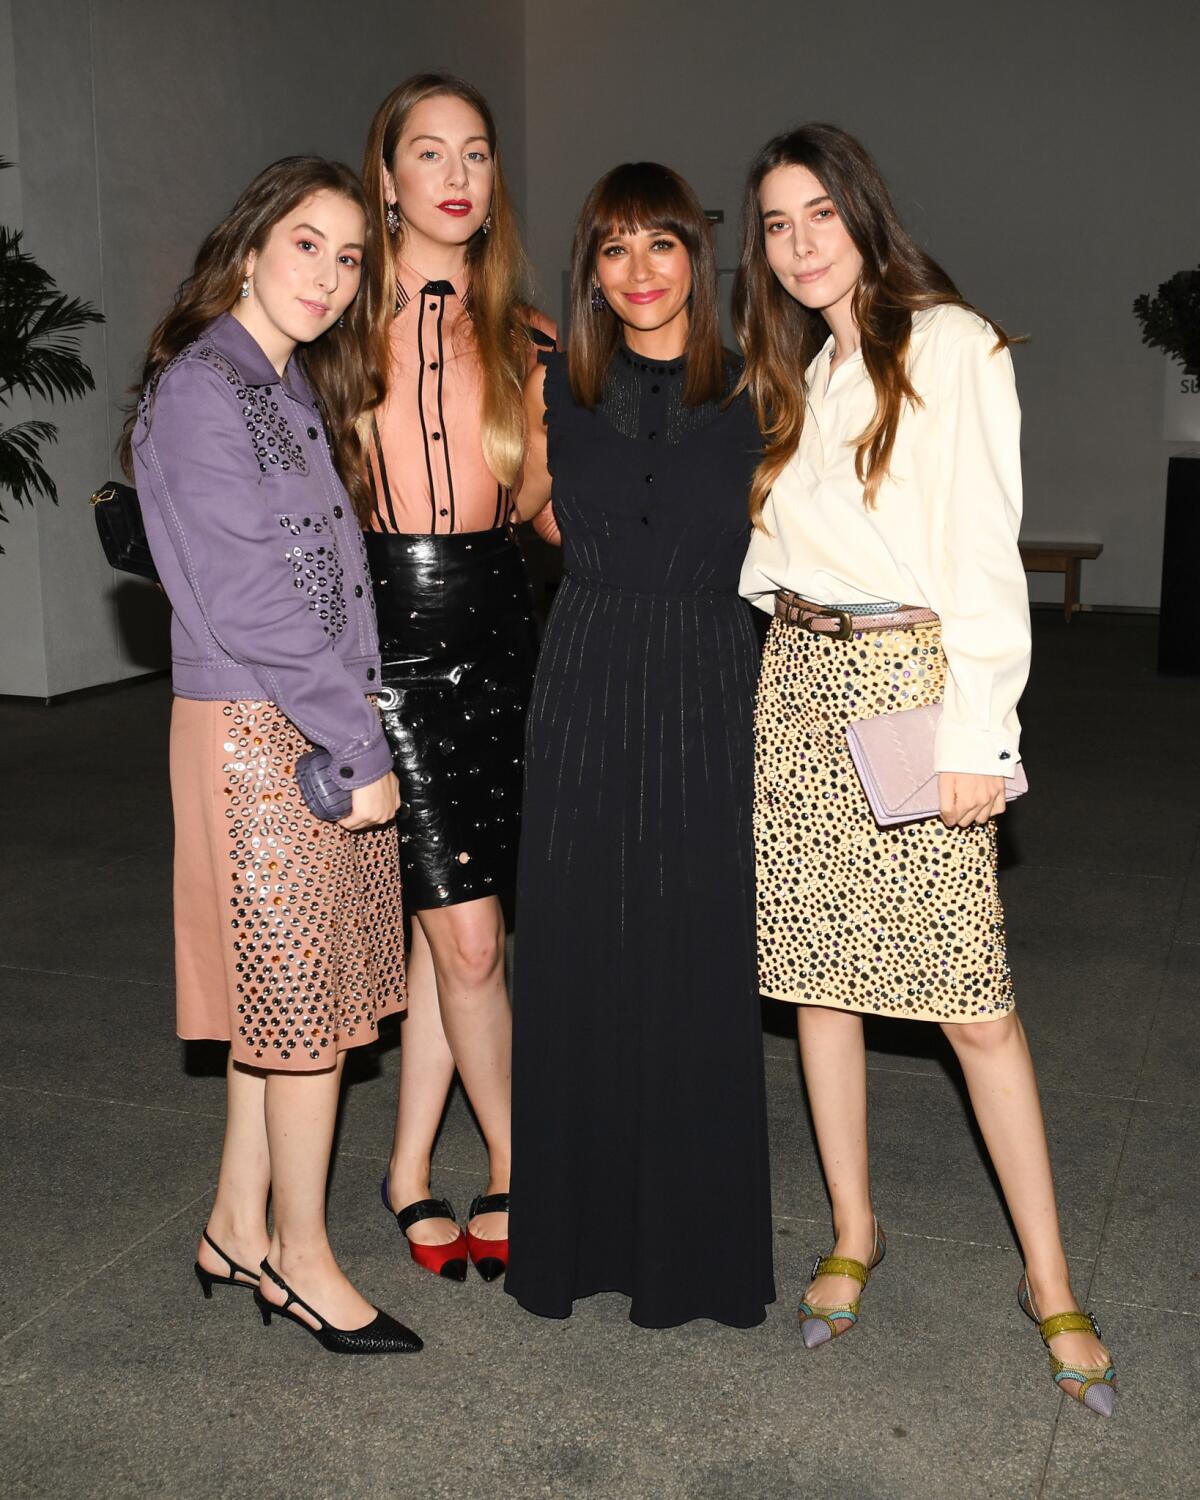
(459, 646)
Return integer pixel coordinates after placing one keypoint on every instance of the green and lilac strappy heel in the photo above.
(820, 1325)
(1096, 1386)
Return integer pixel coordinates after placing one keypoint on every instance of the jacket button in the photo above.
(337, 511)
(312, 432)
(346, 771)
(649, 478)
(370, 674)
(358, 590)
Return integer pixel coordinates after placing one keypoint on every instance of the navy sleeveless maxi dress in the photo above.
(639, 1118)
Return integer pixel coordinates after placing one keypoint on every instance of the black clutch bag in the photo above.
(122, 535)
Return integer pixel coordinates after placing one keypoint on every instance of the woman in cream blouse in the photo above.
(886, 511)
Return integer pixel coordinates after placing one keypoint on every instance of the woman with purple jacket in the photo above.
(287, 927)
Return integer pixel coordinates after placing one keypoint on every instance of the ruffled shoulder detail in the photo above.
(555, 391)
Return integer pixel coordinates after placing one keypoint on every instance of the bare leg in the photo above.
(238, 1221)
(471, 1029)
(998, 1068)
(834, 1058)
(300, 1113)
(426, 1072)
(467, 942)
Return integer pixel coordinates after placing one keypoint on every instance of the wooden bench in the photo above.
(1064, 558)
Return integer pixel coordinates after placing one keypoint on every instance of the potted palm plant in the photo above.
(39, 356)
(1170, 321)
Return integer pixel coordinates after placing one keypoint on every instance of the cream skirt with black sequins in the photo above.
(288, 935)
(904, 921)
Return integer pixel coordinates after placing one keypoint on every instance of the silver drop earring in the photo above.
(599, 301)
(392, 219)
(485, 227)
(245, 286)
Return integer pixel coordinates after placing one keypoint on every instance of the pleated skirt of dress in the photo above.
(288, 934)
(638, 1096)
(903, 921)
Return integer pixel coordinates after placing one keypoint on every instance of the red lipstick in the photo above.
(456, 207)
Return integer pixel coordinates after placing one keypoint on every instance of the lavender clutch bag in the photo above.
(893, 755)
(327, 798)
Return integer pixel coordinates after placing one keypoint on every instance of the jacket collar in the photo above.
(243, 351)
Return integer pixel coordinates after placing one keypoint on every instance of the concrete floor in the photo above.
(118, 1379)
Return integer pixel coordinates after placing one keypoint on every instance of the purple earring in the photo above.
(599, 301)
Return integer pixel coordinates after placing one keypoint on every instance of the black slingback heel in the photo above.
(382, 1335)
(210, 1279)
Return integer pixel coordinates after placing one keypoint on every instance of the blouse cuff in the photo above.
(980, 752)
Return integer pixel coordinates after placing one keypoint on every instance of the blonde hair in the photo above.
(499, 274)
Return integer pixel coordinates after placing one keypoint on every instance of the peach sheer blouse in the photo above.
(427, 467)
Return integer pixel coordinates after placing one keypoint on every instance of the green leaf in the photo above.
(22, 472)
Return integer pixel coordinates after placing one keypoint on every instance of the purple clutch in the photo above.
(893, 755)
(327, 798)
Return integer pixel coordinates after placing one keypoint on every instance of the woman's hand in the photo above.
(373, 805)
(966, 798)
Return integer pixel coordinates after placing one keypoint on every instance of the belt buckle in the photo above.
(845, 619)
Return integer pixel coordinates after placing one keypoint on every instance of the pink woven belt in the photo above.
(826, 619)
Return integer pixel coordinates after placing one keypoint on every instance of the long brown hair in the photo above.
(334, 363)
(498, 269)
(779, 337)
(639, 196)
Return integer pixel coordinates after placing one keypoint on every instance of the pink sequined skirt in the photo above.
(288, 935)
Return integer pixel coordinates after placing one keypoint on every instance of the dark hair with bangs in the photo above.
(639, 196)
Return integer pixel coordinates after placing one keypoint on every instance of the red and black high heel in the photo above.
(490, 1256)
(449, 1260)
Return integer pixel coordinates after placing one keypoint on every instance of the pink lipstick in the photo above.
(644, 298)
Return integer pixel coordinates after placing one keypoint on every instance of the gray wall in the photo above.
(1044, 153)
(134, 124)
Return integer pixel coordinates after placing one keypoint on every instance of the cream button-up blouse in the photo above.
(943, 533)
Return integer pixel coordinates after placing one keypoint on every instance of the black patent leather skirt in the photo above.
(459, 646)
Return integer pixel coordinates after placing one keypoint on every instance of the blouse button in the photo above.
(433, 364)
(312, 432)
(358, 590)
(337, 511)
(436, 436)
(443, 511)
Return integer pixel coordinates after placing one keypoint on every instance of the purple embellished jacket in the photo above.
(258, 548)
